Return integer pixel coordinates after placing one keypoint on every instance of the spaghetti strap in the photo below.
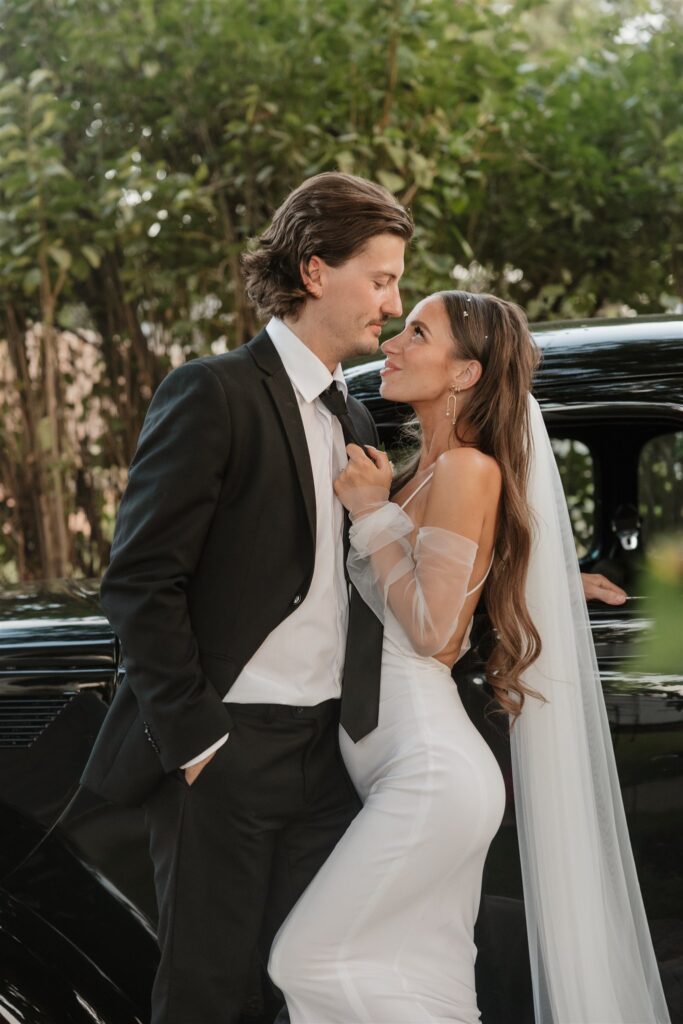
(477, 585)
(418, 488)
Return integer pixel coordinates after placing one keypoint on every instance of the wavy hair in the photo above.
(495, 332)
(331, 215)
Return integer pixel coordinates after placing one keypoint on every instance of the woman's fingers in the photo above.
(379, 458)
(355, 453)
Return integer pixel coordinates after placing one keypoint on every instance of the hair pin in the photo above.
(465, 313)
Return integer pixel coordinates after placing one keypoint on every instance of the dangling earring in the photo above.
(450, 410)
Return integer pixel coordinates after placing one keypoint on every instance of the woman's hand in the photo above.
(366, 480)
(598, 588)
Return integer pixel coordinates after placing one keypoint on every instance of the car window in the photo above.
(577, 470)
(660, 485)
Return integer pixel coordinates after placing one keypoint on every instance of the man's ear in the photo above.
(311, 277)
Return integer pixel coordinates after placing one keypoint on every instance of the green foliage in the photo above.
(143, 144)
(662, 586)
(565, 161)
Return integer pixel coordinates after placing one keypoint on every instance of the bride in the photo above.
(384, 933)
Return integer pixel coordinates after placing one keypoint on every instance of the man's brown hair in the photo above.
(331, 215)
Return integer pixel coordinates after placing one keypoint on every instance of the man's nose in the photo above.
(392, 305)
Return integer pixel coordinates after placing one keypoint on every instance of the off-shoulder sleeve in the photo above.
(424, 587)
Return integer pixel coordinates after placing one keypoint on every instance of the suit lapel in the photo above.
(282, 393)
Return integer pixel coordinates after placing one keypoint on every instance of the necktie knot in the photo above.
(333, 399)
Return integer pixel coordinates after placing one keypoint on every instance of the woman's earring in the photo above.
(450, 409)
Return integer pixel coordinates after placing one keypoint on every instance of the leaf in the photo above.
(428, 204)
(92, 255)
(397, 155)
(392, 182)
(11, 90)
(264, 174)
(61, 257)
(9, 131)
(15, 156)
(46, 122)
(37, 78)
(40, 101)
(26, 244)
(345, 161)
(31, 280)
(53, 169)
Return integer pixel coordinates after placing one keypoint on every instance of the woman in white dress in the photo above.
(384, 933)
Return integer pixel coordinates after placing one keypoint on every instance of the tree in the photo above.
(142, 145)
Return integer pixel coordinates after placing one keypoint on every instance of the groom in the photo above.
(227, 590)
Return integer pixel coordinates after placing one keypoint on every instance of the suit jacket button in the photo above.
(297, 599)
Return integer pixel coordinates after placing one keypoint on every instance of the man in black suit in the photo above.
(227, 589)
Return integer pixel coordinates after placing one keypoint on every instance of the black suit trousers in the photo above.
(233, 852)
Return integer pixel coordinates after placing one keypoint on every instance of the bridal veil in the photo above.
(592, 960)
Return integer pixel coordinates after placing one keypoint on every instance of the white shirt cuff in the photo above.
(205, 753)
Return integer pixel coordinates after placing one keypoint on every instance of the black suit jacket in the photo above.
(214, 547)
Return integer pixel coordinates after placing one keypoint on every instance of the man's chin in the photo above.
(368, 345)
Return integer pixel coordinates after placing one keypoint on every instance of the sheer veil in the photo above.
(592, 959)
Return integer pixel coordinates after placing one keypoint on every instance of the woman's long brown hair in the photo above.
(495, 332)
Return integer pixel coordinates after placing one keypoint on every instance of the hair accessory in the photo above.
(451, 410)
(465, 313)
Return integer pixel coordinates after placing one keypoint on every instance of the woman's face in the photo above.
(421, 361)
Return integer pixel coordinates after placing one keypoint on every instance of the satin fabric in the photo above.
(384, 933)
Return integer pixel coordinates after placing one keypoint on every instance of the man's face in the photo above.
(357, 298)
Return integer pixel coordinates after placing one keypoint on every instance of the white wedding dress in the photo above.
(384, 933)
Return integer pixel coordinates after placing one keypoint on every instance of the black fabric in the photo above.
(234, 850)
(333, 399)
(214, 547)
(363, 660)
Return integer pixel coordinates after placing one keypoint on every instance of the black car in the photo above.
(77, 906)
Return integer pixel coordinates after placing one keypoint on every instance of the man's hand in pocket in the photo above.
(194, 770)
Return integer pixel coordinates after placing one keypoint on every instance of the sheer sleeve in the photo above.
(424, 587)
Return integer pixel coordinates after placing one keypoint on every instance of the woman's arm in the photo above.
(424, 586)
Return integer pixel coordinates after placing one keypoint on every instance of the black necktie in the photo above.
(363, 659)
(333, 398)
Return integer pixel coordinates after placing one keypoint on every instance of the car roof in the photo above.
(611, 360)
(640, 330)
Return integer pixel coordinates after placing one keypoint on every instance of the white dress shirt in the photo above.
(301, 661)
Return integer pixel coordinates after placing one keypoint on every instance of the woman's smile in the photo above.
(388, 368)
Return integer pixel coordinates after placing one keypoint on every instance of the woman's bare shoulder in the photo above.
(468, 466)
(465, 489)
